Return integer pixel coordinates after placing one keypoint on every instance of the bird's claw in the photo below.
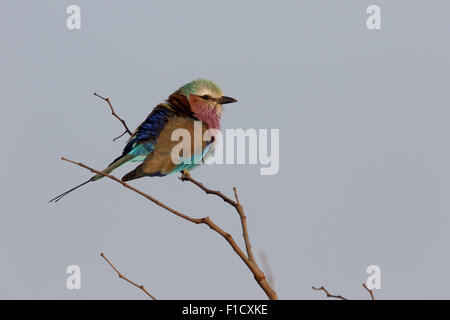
(185, 175)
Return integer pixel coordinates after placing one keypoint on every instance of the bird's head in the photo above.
(206, 100)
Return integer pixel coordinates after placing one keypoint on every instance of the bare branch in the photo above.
(257, 273)
(186, 176)
(329, 295)
(341, 297)
(127, 130)
(369, 290)
(121, 276)
(119, 136)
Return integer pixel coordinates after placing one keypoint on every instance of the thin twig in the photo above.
(119, 136)
(257, 273)
(121, 276)
(329, 295)
(127, 130)
(369, 290)
(186, 176)
(240, 210)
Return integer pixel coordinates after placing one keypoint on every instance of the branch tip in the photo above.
(126, 279)
(329, 295)
(113, 112)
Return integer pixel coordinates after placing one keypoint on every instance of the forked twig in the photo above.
(127, 130)
(329, 295)
(186, 176)
(121, 276)
(369, 290)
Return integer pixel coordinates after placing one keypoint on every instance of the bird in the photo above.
(200, 100)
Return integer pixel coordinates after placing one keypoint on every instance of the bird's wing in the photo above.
(159, 162)
(143, 140)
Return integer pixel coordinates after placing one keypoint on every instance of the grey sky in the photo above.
(364, 147)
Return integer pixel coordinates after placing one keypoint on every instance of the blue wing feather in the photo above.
(142, 143)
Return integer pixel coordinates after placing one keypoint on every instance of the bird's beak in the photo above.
(225, 100)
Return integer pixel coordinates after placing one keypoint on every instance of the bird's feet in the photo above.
(185, 175)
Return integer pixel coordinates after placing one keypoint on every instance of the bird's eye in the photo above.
(205, 97)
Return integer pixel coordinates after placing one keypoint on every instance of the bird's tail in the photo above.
(62, 195)
(116, 163)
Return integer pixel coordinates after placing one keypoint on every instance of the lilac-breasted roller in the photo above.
(151, 143)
